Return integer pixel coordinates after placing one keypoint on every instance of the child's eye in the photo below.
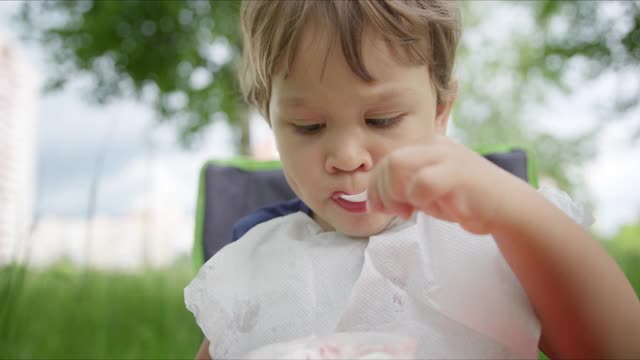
(384, 123)
(308, 129)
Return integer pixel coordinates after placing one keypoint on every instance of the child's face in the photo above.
(332, 128)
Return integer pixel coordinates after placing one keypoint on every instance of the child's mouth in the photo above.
(352, 203)
(355, 198)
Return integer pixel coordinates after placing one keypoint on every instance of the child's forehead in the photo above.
(320, 67)
(319, 53)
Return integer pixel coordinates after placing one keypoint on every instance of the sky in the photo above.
(72, 134)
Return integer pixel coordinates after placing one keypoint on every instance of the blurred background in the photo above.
(108, 110)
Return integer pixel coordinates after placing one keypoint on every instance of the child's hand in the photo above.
(443, 179)
(577, 318)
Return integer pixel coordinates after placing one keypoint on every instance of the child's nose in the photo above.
(346, 155)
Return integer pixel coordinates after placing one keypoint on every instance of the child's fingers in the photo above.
(438, 211)
(428, 185)
(406, 212)
(388, 201)
(388, 185)
(382, 196)
(373, 193)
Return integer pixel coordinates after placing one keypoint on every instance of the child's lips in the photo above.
(350, 206)
(356, 203)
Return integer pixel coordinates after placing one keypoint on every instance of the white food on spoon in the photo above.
(355, 198)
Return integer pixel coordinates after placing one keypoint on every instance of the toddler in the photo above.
(397, 229)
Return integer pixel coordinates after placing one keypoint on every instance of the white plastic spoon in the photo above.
(356, 198)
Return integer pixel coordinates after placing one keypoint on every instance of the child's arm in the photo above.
(203, 352)
(586, 306)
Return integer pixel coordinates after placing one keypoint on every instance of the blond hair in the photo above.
(419, 32)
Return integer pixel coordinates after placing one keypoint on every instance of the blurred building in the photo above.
(153, 232)
(122, 243)
(19, 97)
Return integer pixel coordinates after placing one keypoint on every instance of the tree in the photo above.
(161, 51)
(178, 56)
(497, 92)
(557, 45)
(598, 37)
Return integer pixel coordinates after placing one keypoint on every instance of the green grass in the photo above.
(65, 313)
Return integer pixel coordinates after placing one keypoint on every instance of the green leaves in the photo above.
(551, 48)
(177, 56)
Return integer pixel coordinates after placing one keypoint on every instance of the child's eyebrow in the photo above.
(374, 96)
(390, 96)
(391, 92)
(293, 101)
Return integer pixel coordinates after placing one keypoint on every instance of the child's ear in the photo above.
(443, 110)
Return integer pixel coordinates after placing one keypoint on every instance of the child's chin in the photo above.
(365, 228)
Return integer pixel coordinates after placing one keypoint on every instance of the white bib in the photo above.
(427, 279)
